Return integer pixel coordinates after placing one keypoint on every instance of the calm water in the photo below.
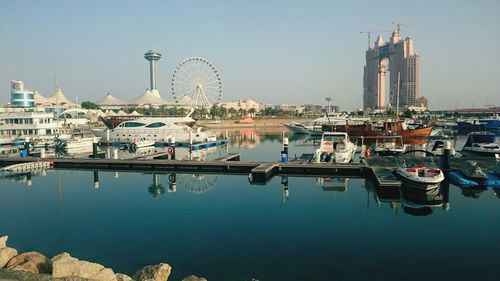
(223, 228)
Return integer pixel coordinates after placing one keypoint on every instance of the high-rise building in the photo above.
(399, 58)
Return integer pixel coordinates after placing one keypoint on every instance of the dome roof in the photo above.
(150, 98)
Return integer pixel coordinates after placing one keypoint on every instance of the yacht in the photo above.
(335, 147)
(157, 129)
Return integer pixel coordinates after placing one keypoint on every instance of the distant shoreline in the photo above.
(258, 123)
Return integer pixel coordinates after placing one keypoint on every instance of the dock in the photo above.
(379, 169)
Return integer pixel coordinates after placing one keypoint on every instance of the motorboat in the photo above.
(481, 143)
(335, 147)
(77, 143)
(389, 145)
(297, 128)
(418, 202)
(471, 175)
(28, 166)
(142, 142)
(424, 176)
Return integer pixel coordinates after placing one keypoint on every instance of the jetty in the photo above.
(379, 169)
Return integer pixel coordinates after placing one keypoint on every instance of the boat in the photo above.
(315, 127)
(389, 127)
(492, 124)
(424, 176)
(142, 142)
(28, 166)
(420, 202)
(335, 147)
(389, 145)
(77, 143)
(114, 121)
(481, 143)
(157, 129)
(297, 128)
(472, 170)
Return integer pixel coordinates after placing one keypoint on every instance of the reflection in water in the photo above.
(284, 184)
(419, 202)
(156, 189)
(333, 184)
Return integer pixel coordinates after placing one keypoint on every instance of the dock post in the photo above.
(172, 145)
(94, 149)
(107, 136)
(115, 153)
(42, 153)
(172, 187)
(284, 152)
(96, 179)
(445, 160)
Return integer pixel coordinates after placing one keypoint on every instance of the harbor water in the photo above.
(223, 228)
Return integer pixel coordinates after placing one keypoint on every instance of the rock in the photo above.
(3, 241)
(6, 254)
(64, 265)
(123, 277)
(158, 272)
(193, 278)
(32, 262)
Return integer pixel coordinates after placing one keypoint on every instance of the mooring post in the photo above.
(172, 187)
(115, 153)
(445, 161)
(284, 152)
(172, 148)
(94, 149)
(107, 136)
(42, 153)
(96, 179)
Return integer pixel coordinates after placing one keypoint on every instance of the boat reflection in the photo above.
(333, 184)
(419, 202)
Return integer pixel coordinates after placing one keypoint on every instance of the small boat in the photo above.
(389, 145)
(472, 170)
(77, 143)
(424, 176)
(335, 147)
(481, 143)
(142, 142)
(28, 166)
(297, 128)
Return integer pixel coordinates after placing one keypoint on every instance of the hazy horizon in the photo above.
(295, 52)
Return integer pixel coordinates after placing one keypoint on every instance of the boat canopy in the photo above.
(482, 137)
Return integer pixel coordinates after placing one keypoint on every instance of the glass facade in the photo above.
(22, 99)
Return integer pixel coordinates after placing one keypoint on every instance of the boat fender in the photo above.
(171, 178)
(170, 150)
(368, 152)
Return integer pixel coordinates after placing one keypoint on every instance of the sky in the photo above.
(294, 52)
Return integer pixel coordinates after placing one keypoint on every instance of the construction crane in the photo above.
(399, 24)
(370, 33)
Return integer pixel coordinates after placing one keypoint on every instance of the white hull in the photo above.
(422, 178)
(296, 128)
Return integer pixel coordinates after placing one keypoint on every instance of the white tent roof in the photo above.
(57, 99)
(121, 112)
(110, 100)
(135, 113)
(185, 100)
(150, 97)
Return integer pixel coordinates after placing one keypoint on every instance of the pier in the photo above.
(259, 172)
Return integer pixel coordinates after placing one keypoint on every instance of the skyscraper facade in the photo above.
(399, 58)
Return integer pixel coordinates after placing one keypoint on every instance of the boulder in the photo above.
(3, 241)
(123, 277)
(158, 272)
(193, 278)
(32, 262)
(64, 265)
(6, 253)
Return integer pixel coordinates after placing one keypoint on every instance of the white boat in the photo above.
(389, 145)
(157, 129)
(28, 166)
(335, 147)
(142, 142)
(481, 143)
(297, 128)
(77, 143)
(423, 176)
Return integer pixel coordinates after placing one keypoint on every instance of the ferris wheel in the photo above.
(196, 83)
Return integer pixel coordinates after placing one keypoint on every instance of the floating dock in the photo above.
(194, 146)
(259, 172)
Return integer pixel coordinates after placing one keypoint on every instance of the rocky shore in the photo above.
(35, 266)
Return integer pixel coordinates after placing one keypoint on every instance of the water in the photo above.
(223, 228)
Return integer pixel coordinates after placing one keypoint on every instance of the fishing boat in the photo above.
(423, 176)
(481, 143)
(397, 127)
(335, 147)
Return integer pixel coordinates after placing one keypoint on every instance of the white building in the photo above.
(28, 124)
(19, 97)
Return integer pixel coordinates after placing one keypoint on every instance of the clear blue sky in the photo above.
(272, 51)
